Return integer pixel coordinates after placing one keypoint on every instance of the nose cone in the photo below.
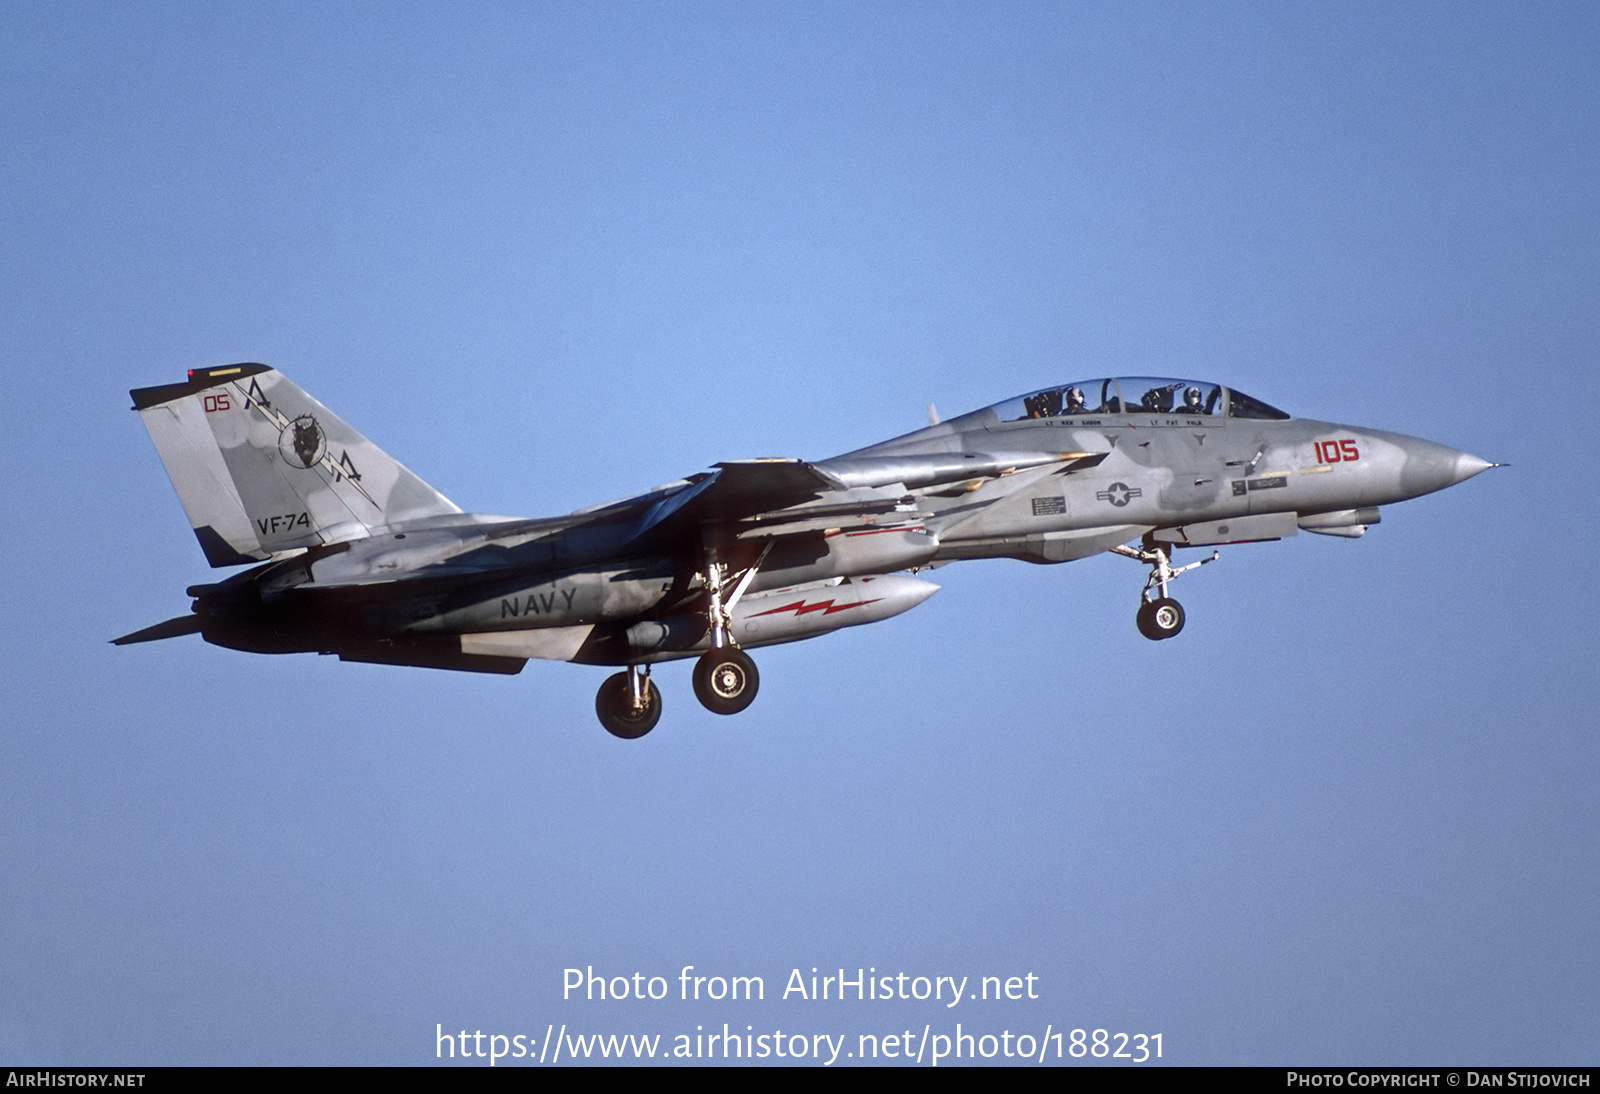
(1468, 465)
(1431, 467)
(895, 592)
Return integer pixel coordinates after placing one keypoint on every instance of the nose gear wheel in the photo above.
(1159, 615)
(1160, 618)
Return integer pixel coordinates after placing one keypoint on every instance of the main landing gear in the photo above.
(1159, 615)
(725, 679)
(628, 703)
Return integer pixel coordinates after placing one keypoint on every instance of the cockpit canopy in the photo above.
(1135, 395)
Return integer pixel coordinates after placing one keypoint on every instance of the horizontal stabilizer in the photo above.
(172, 628)
(425, 654)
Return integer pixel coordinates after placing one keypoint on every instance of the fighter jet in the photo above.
(353, 555)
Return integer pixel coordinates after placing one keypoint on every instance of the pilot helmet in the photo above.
(1192, 398)
(1074, 396)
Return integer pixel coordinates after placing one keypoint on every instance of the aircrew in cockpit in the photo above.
(1159, 395)
(1045, 404)
(1158, 400)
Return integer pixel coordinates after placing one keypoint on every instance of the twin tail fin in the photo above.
(262, 468)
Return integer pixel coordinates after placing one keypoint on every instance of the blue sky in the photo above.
(549, 255)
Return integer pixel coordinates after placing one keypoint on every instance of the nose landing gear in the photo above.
(1159, 618)
(1159, 615)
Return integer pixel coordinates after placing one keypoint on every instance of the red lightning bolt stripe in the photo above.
(826, 607)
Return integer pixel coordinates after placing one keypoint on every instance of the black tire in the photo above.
(614, 704)
(1159, 619)
(726, 680)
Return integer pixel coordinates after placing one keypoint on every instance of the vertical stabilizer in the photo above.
(262, 468)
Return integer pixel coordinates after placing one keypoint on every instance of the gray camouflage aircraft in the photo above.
(359, 557)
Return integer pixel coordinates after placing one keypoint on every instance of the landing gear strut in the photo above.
(725, 679)
(628, 703)
(1159, 615)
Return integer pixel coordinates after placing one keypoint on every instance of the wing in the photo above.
(770, 497)
(766, 497)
